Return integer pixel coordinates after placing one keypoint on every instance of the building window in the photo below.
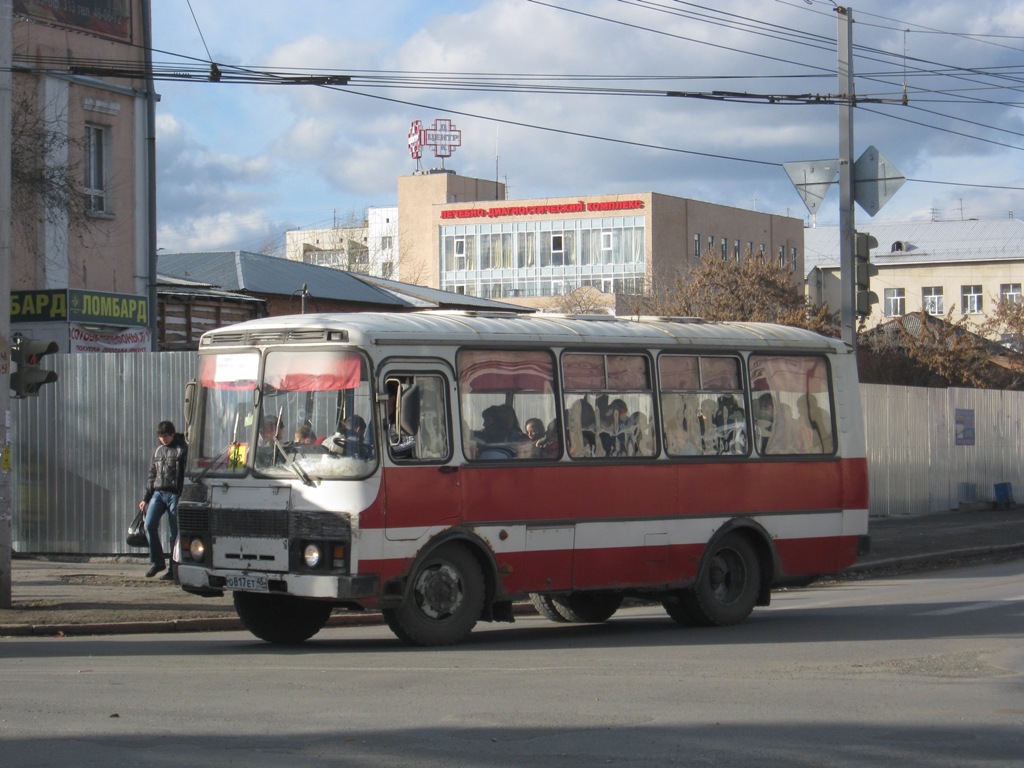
(696, 246)
(606, 241)
(96, 165)
(386, 242)
(725, 249)
(895, 302)
(782, 257)
(932, 301)
(1010, 293)
(971, 298)
(736, 251)
(460, 253)
(792, 257)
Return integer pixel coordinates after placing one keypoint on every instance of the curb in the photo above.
(921, 562)
(218, 624)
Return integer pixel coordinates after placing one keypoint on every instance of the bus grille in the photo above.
(271, 523)
(264, 523)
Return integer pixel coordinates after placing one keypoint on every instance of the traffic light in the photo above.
(863, 271)
(29, 377)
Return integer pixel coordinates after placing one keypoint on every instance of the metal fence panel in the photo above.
(81, 450)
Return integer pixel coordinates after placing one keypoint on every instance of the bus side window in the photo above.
(609, 406)
(702, 405)
(416, 420)
(503, 395)
(792, 405)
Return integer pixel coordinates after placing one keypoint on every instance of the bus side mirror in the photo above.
(408, 416)
(190, 408)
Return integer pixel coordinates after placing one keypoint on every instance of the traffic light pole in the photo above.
(6, 506)
(847, 181)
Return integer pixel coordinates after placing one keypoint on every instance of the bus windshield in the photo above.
(310, 415)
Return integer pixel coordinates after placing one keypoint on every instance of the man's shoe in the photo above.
(154, 570)
(169, 576)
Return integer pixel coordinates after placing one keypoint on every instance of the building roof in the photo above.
(434, 298)
(257, 273)
(923, 242)
(268, 275)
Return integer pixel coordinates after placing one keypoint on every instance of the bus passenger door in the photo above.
(421, 482)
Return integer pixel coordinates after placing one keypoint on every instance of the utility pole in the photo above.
(147, 43)
(847, 180)
(6, 101)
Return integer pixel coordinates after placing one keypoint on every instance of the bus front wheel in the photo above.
(444, 601)
(726, 588)
(281, 619)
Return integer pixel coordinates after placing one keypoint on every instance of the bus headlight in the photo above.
(311, 555)
(197, 550)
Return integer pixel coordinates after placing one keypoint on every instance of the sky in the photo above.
(566, 98)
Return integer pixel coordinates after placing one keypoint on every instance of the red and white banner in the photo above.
(83, 339)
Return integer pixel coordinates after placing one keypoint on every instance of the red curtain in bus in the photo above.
(485, 370)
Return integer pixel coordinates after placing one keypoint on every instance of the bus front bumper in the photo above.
(209, 581)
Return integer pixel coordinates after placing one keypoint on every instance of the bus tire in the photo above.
(545, 606)
(444, 600)
(281, 619)
(587, 607)
(727, 585)
(675, 607)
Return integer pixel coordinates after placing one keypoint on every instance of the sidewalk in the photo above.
(89, 596)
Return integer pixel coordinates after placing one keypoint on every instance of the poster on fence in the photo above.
(964, 426)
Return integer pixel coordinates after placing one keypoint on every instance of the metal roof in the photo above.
(374, 328)
(431, 298)
(923, 242)
(257, 273)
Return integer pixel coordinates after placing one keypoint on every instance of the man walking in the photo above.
(163, 489)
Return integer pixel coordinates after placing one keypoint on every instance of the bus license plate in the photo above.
(253, 582)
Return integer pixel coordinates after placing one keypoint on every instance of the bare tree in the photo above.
(582, 301)
(43, 190)
(921, 350)
(1006, 324)
(754, 290)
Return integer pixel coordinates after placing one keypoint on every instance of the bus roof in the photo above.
(508, 329)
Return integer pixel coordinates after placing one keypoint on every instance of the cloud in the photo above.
(296, 153)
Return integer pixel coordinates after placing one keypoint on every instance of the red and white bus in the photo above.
(439, 466)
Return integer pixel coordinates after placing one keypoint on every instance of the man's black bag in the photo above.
(137, 531)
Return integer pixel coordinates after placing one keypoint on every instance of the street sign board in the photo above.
(875, 180)
(812, 179)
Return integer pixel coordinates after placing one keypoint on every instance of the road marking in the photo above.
(970, 607)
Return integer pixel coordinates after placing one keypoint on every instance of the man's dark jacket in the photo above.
(167, 470)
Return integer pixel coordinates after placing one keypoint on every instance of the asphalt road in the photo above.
(105, 595)
(920, 670)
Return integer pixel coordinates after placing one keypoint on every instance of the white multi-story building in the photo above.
(934, 266)
(368, 248)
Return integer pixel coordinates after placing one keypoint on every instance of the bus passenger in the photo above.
(304, 434)
(535, 430)
(499, 434)
(544, 440)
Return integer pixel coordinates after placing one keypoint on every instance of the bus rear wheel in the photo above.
(444, 600)
(545, 605)
(587, 607)
(727, 585)
(281, 619)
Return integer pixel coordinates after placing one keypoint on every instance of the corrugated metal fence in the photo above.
(82, 448)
